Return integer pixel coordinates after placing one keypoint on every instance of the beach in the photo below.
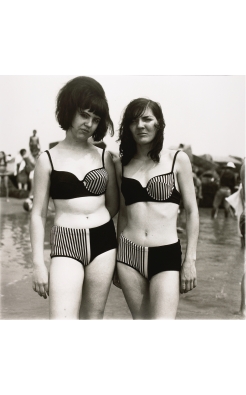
(220, 266)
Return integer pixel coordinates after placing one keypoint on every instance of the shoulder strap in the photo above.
(174, 159)
(50, 159)
(103, 157)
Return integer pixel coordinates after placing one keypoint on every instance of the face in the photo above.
(144, 128)
(84, 124)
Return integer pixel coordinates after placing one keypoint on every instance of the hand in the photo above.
(40, 281)
(188, 277)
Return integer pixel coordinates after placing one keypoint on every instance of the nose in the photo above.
(140, 123)
(89, 122)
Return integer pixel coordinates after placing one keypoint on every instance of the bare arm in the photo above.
(185, 182)
(37, 223)
(112, 195)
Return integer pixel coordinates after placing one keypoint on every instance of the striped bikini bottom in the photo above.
(83, 245)
(149, 261)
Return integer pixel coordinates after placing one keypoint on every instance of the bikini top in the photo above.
(158, 189)
(66, 185)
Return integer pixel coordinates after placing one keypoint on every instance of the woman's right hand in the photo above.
(40, 281)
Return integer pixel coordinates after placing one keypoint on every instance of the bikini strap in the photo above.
(103, 157)
(174, 159)
(50, 159)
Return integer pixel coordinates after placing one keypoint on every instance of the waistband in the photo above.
(96, 227)
(126, 240)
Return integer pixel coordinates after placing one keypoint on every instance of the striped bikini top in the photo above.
(158, 189)
(66, 185)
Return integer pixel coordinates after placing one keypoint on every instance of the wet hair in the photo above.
(127, 143)
(79, 94)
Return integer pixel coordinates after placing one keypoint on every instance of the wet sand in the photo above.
(220, 266)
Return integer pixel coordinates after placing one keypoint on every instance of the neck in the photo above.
(75, 143)
(142, 152)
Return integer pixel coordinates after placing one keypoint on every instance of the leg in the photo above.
(6, 183)
(243, 295)
(135, 289)
(65, 288)
(216, 203)
(97, 282)
(164, 295)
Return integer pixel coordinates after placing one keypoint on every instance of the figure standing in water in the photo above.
(81, 180)
(34, 144)
(151, 180)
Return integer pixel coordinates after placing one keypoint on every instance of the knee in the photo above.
(92, 314)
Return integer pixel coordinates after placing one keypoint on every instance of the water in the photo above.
(220, 266)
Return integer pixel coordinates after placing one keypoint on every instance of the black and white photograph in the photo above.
(125, 206)
(122, 197)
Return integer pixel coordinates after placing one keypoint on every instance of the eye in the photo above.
(84, 114)
(97, 120)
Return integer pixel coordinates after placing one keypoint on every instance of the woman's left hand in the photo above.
(188, 276)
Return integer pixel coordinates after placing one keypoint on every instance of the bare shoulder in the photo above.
(182, 157)
(169, 154)
(43, 160)
(182, 163)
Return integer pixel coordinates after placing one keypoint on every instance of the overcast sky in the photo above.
(207, 112)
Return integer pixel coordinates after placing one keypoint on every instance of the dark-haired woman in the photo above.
(80, 178)
(152, 180)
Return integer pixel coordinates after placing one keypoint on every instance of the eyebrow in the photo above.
(88, 113)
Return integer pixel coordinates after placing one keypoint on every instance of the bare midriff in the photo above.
(152, 224)
(81, 213)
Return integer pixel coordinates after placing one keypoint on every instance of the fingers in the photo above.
(187, 285)
(41, 289)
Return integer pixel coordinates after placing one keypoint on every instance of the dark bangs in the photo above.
(94, 104)
(135, 109)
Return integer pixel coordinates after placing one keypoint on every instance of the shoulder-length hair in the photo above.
(83, 93)
(127, 144)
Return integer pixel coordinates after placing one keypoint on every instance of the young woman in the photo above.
(81, 180)
(151, 181)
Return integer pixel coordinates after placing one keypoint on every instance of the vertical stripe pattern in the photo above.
(133, 255)
(68, 242)
(96, 181)
(161, 187)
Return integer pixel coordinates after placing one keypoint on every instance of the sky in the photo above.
(206, 112)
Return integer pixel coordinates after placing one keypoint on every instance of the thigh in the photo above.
(97, 282)
(164, 295)
(65, 288)
(135, 288)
